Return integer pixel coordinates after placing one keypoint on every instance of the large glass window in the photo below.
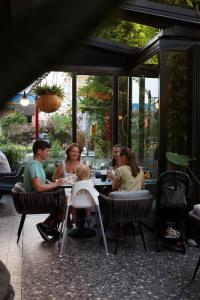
(177, 103)
(145, 121)
(123, 111)
(94, 111)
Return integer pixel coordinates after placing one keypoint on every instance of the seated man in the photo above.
(4, 164)
(35, 180)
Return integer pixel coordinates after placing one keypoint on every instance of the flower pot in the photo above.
(48, 103)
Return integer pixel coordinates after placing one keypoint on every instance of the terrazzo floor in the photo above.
(85, 272)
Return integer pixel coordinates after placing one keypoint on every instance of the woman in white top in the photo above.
(70, 164)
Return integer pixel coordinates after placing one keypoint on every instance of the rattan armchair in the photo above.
(8, 180)
(33, 203)
(194, 222)
(126, 207)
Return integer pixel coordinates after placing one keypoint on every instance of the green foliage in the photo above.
(46, 89)
(58, 127)
(177, 116)
(96, 94)
(12, 119)
(21, 134)
(14, 153)
(95, 99)
(133, 34)
(194, 4)
(55, 149)
(182, 161)
(178, 159)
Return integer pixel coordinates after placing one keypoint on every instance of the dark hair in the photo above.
(40, 144)
(131, 158)
(113, 162)
(70, 147)
(117, 146)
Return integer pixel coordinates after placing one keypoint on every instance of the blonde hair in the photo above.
(83, 172)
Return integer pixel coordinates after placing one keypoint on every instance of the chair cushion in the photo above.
(18, 187)
(196, 209)
(136, 195)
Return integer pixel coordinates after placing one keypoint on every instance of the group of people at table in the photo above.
(123, 170)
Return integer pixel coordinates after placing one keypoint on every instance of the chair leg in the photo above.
(103, 234)
(117, 232)
(21, 224)
(183, 236)
(142, 236)
(64, 232)
(196, 269)
(133, 230)
(63, 220)
(105, 226)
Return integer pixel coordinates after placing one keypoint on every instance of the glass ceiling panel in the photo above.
(180, 3)
(129, 33)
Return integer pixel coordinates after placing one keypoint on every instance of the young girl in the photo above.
(83, 174)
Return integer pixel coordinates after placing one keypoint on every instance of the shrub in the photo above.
(14, 153)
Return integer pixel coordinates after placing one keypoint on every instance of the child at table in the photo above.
(83, 174)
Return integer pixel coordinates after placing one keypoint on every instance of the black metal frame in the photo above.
(70, 51)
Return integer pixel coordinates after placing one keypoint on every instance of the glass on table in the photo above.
(103, 174)
(69, 179)
(110, 173)
(92, 174)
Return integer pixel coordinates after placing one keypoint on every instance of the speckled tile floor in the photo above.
(85, 272)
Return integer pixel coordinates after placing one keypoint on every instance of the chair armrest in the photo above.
(194, 222)
(12, 179)
(14, 173)
(36, 202)
(104, 197)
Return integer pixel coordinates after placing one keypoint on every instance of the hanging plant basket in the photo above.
(48, 103)
(49, 98)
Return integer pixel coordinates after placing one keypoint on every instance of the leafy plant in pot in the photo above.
(182, 161)
(49, 98)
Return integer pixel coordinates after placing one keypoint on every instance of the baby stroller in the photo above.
(173, 202)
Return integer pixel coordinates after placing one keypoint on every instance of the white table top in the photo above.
(96, 181)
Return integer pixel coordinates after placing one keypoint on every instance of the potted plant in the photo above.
(182, 161)
(49, 98)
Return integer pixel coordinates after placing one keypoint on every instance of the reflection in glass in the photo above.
(94, 115)
(123, 111)
(177, 117)
(145, 121)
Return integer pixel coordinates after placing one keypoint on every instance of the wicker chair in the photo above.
(194, 222)
(8, 180)
(126, 207)
(33, 203)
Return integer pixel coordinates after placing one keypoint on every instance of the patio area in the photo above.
(85, 272)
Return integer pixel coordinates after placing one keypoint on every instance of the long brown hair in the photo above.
(131, 160)
(113, 162)
(70, 147)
